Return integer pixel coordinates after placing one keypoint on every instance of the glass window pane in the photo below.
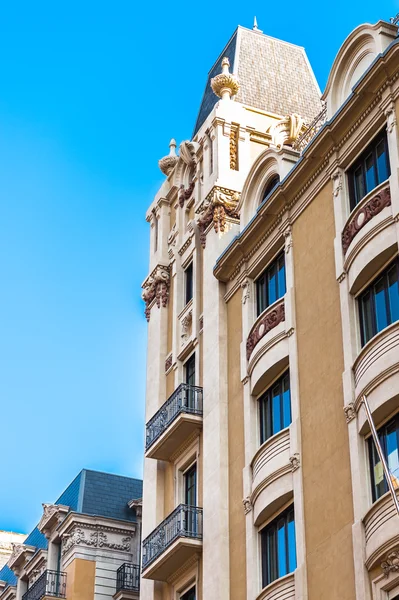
(380, 304)
(370, 173)
(263, 419)
(272, 572)
(276, 409)
(358, 183)
(367, 321)
(291, 543)
(380, 486)
(393, 289)
(286, 402)
(272, 286)
(261, 294)
(281, 548)
(392, 451)
(281, 277)
(382, 170)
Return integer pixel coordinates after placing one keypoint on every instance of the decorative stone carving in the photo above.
(137, 503)
(390, 115)
(391, 562)
(172, 237)
(287, 130)
(217, 206)
(362, 216)
(187, 152)
(288, 239)
(17, 551)
(185, 194)
(96, 539)
(53, 514)
(245, 290)
(168, 163)
(201, 323)
(168, 363)
(156, 287)
(234, 133)
(186, 323)
(270, 320)
(247, 505)
(225, 84)
(295, 462)
(350, 412)
(337, 183)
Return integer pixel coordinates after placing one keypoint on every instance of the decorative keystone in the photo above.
(225, 84)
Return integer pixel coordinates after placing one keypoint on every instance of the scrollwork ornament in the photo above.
(391, 563)
(218, 205)
(156, 287)
(247, 505)
(295, 462)
(350, 412)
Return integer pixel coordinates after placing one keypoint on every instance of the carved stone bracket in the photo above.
(268, 322)
(288, 239)
(217, 206)
(156, 287)
(247, 505)
(374, 206)
(295, 462)
(350, 412)
(337, 183)
(286, 131)
(246, 287)
(391, 562)
(186, 323)
(185, 194)
(390, 115)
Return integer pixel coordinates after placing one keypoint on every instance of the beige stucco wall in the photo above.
(236, 451)
(80, 579)
(325, 462)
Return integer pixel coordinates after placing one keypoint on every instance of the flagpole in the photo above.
(380, 453)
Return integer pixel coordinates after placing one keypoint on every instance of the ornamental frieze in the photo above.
(374, 206)
(220, 204)
(266, 324)
(156, 287)
(95, 539)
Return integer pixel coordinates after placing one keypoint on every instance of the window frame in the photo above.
(262, 284)
(265, 408)
(267, 577)
(372, 315)
(188, 283)
(371, 449)
(360, 163)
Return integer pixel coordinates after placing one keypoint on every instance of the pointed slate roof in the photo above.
(274, 76)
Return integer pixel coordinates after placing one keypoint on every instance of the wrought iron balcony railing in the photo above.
(185, 399)
(185, 521)
(303, 140)
(128, 577)
(50, 583)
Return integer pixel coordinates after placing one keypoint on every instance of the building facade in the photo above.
(86, 546)
(273, 305)
(7, 539)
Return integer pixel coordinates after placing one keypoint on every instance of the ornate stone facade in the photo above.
(266, 324)
(287, 130)
(156, 287)
(101, 537)
(391, 563)
(217, 206)
(225, 85)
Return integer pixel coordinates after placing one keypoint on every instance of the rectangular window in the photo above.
(190, 486)
(370, 169)
(388, 435)
(278, 547)
(379, 303)
(275, 408)
(190, 595)
(188, 282)
(189, 398)
(270, 286)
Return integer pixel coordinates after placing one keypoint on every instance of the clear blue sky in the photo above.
(90, 94)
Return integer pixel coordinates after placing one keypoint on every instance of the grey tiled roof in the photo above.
(274, 76)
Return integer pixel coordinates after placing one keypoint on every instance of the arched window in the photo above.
(271, 184)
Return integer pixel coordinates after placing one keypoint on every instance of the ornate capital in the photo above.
(156, 287)
(286, 131)
(295, 462)
(225, 84)
(391, 562)
(247, 505)
(168, 163)
(217, 206)
(362, 216)
(350, 412)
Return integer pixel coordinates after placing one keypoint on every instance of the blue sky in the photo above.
(90, 94)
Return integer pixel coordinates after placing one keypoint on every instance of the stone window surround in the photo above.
(257, 397)
(385, 587)
(185, 579)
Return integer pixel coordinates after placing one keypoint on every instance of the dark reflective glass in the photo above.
(380, 304)
(190, 595)
(270, 186)
(275, 408)
(282, 548)
(291, 543)
(278, 547)
(188, 274)
(393, 290)
(371, 169)
(382, 166)
(388, 435)
(370, 173)
(271, 285)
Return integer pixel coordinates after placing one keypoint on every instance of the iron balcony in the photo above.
(50, 583)
(128, 578)
(173, 542)
(174, 422)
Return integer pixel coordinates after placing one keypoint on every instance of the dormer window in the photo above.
(271, 184)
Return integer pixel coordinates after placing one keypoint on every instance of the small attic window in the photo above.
(271, 184)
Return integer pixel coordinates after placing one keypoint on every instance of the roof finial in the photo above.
(255, 27)
(225, 84)
(167, 163)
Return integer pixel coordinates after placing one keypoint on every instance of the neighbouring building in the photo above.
(85, 547)
(7, 539)
(273, 305)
